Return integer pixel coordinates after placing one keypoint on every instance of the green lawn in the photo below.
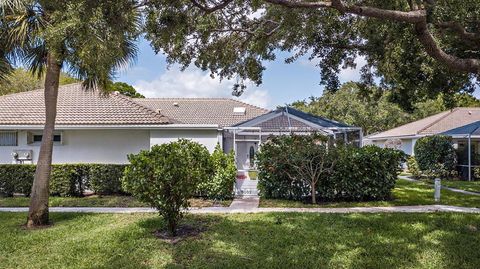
(275, 240)
(462, 185)
(405, 193)
(98, 201)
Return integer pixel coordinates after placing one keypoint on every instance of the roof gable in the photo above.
(77, 106)
(290, 118)
(320, 121)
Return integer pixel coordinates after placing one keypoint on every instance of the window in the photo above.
(8, 139)
(252, 156)
(37, 138)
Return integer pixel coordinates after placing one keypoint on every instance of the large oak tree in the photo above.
(415, 48)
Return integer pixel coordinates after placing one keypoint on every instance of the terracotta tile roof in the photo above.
(435, 124)
(77, 106)
(203, 110)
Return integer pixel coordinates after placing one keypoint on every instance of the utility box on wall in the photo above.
(22, 156)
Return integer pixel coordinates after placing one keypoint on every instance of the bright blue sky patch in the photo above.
(282, 83)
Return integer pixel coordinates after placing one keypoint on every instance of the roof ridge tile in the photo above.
(133, 102)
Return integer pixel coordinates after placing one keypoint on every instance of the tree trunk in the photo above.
(313, 191)
(38, 211)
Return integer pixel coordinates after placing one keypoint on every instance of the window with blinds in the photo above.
(8, 139)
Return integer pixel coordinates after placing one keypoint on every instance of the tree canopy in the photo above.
(372, 109)
(124, 89)
(21, 80)
(415, 48)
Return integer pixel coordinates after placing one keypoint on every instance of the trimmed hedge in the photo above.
(16, 179)
(362, 174)
(106, 179)
(359, 174)
(219, 185)
(66, 179)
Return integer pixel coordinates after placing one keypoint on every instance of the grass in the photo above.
(462, 185)
(274, 240)
(98, 201)
(405, 193)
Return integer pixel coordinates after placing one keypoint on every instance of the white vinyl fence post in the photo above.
(438, 187)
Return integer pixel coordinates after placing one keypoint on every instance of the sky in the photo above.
(282, 83)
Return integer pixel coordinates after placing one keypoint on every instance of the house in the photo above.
(96, 128)
(404, 137)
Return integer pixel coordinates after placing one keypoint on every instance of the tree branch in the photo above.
(213, 8)
(459, 30)
(300, 4)
(433, 49)
(418, 17)
(403, 16)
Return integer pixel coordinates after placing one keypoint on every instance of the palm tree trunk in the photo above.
(38, 211)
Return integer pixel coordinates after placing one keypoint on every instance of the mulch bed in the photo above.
(183, 232)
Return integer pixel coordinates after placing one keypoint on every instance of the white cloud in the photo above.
(345, 75)
(195, 83)
(257, 14)
(352, 74)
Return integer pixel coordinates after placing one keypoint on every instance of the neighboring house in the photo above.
(95, 128)
(405, 136)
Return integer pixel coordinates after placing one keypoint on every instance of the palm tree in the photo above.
(89, 39)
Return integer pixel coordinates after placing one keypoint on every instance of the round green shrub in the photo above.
(166, 176)
(436, 156)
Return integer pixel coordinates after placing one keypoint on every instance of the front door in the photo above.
(246, 155)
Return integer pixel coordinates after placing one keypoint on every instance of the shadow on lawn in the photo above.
(292, 240)
(334, 241)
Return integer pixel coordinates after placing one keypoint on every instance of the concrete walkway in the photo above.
(240, 209)
(443, 187)
(245, 202)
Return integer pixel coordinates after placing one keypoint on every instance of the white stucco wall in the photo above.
(208, 138)
(109, 146)
(87, 146)
(379, 143)
(407, 145)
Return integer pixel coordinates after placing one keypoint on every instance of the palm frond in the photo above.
(13, 4)
(109, 47)
(5, 69)
(25, 25)
(35, 58)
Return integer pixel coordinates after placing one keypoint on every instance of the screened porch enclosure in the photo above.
(247, 141)
(467, 141)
